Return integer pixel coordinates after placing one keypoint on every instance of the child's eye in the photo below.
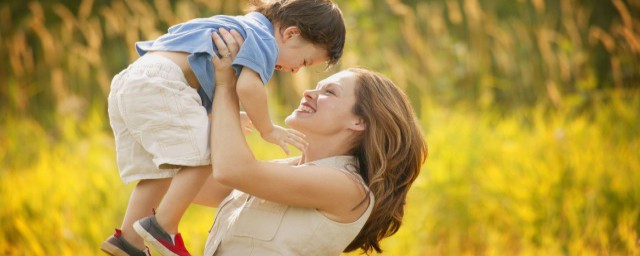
(331, 92)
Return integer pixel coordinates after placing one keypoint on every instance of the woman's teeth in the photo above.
(306, 109)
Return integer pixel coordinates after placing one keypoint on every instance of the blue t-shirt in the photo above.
(259, 51)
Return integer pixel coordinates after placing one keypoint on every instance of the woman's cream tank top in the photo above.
(246, 225)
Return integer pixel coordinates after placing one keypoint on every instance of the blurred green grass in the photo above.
(530, 109)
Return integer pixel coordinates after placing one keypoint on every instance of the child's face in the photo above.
(295, 53)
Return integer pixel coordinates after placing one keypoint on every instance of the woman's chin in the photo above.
(291, 120)
(294, 121)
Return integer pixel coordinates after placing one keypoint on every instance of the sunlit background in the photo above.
(531, 109)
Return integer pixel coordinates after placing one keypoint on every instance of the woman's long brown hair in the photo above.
(390, 153)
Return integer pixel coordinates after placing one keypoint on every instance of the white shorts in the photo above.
(157, 119)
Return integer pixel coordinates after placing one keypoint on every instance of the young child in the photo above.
(158, 107)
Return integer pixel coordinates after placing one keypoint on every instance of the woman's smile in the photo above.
(306, 108)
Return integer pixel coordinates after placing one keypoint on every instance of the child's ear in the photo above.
(290, 32)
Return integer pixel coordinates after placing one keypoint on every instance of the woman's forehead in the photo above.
(341, 78)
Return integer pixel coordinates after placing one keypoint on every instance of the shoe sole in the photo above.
(112, 250)
(152, 240)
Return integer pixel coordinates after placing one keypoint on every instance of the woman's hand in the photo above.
(228, 44)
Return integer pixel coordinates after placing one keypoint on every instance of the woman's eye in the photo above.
(331, 92)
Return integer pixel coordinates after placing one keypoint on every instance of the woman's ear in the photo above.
(358, 125)
(290, 32)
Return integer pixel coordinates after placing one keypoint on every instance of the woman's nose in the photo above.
(295, 70)
(309, 94)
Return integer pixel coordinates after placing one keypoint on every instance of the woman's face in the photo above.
(327, 109)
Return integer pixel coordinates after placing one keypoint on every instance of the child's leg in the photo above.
(184, 188)
(145, 196)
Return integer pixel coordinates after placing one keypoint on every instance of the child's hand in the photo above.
(282, 136)
(245, 123)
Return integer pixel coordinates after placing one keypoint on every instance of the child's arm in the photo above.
(253, 97)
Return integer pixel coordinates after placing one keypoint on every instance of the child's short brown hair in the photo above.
(320, 21)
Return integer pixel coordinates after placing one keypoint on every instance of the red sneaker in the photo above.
(151, 231)
(117, 246)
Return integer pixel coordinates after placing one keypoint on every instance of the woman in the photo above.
(347, 191)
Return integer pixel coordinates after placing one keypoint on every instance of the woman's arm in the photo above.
(211, 193)
(326, 189)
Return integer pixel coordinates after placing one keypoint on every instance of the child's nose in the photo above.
(295, 70)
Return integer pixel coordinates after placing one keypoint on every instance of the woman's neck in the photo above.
(323, 148)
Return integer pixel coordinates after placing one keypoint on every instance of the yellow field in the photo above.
(535, 184)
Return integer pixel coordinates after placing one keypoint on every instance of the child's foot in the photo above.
(117, 246)
(151, 231)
